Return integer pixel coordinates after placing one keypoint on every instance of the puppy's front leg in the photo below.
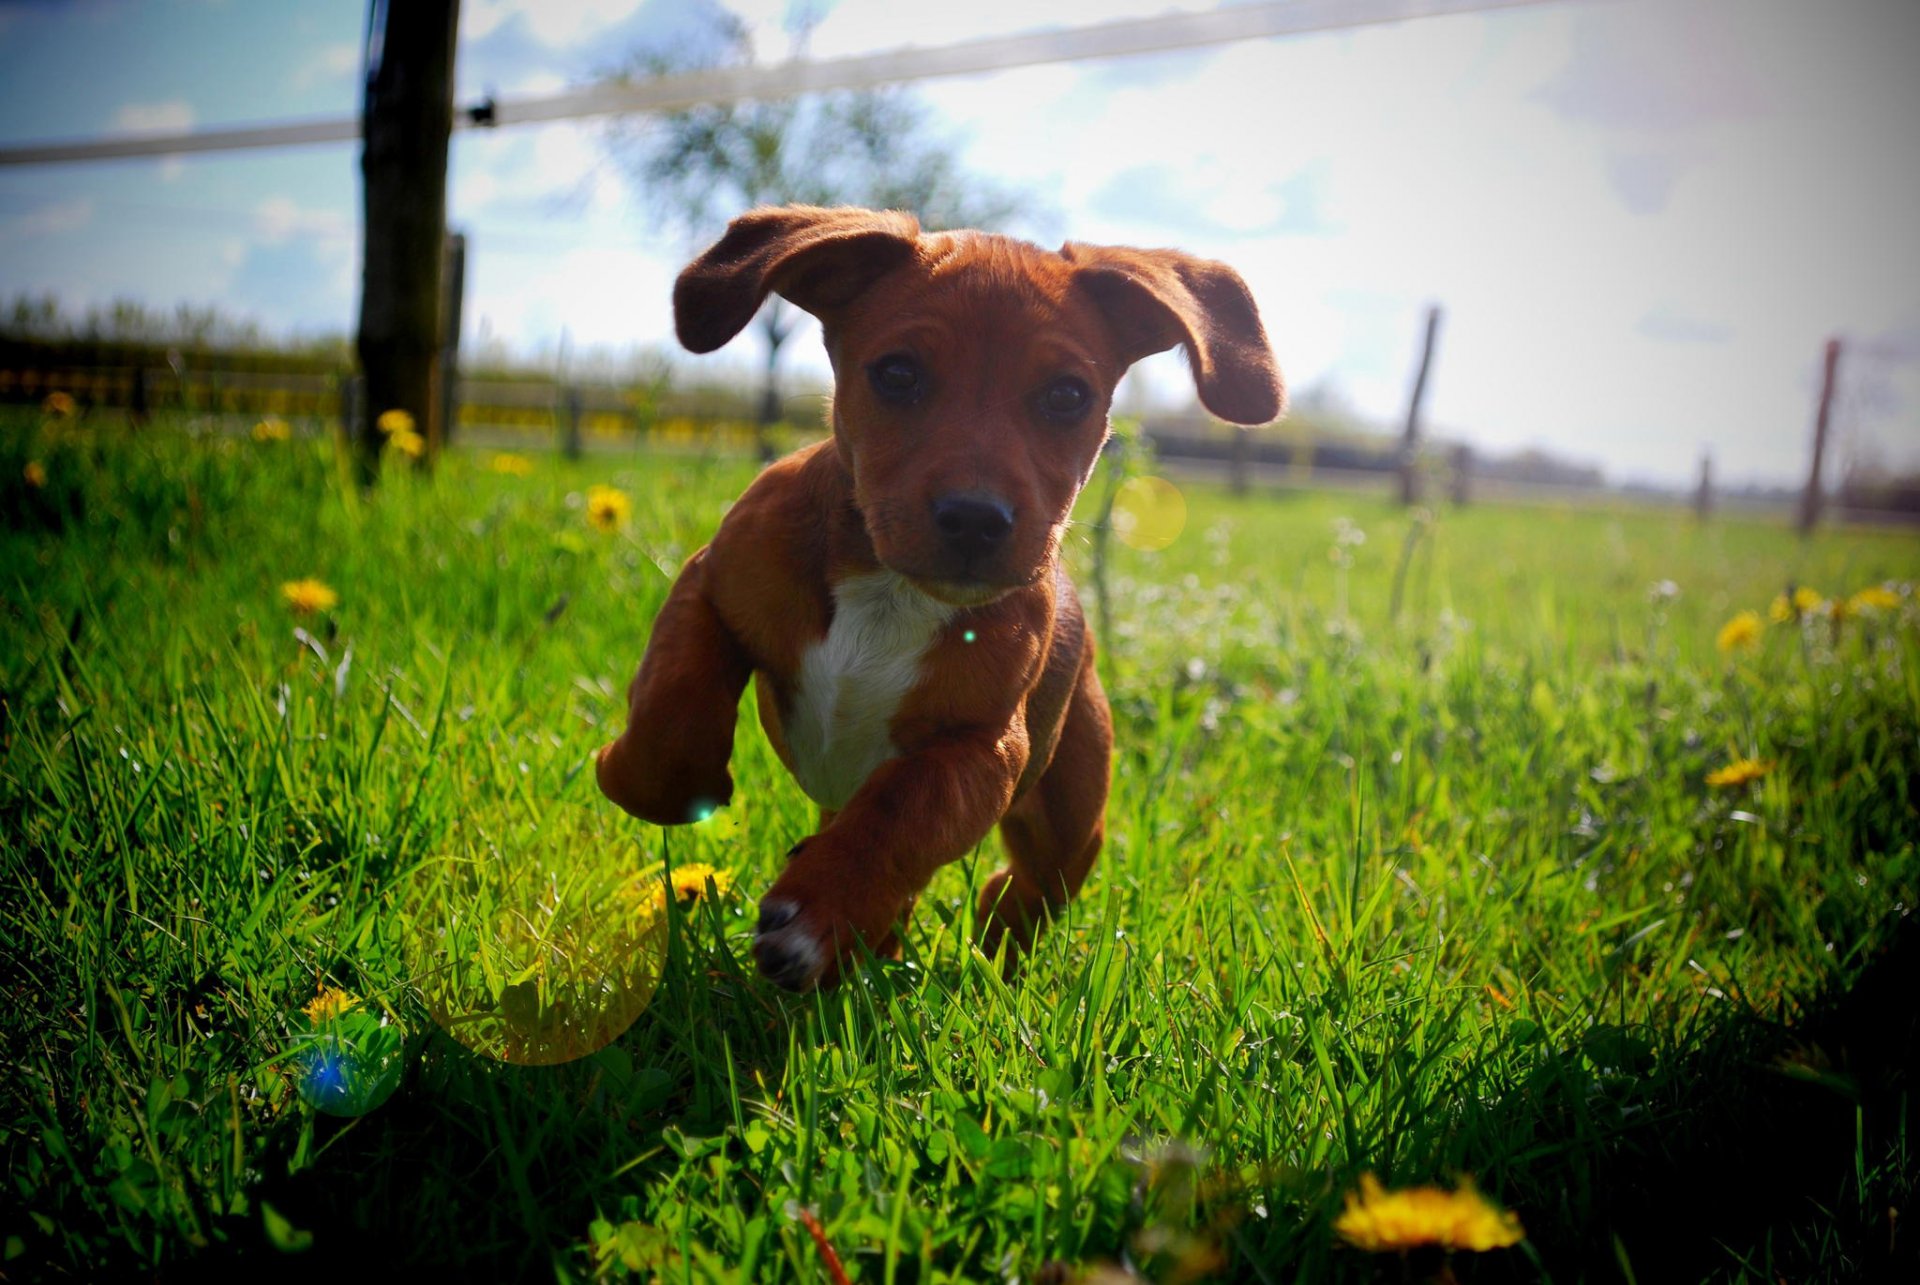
(670, 765)
(851, 881)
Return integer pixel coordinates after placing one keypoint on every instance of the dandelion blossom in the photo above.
(1740, 632)
(394, 421)
(330, 1003)
(1873, 598)
(690, 882)
(608, 507)
(272, 429)
(510, 464)
(1382, 1221)
(407, 442)
(308, 596)
(59, 406)
(35, 473)
(1801, 602)
(1737, 773)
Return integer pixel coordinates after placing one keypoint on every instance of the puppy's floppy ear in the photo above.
(1155, 299)
(815, 258)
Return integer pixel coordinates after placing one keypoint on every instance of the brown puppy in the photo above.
(922, 665)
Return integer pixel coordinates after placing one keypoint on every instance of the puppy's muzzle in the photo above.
(972, 526)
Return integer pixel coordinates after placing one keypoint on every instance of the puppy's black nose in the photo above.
(972, 524)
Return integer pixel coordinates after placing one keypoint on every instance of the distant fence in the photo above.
(1262, 452)
(686, 416)
(522, 411)
(690, 416)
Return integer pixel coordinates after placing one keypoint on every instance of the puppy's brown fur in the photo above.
(922, 664)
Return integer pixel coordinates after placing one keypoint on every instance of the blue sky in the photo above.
(1643, 217)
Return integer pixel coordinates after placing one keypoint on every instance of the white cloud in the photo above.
(554, 23)
(557, 171)
(329, 63)
(599, 297)
(537, 84)
(278, 219)
(169, 117)
(866, 26)
(50, 219)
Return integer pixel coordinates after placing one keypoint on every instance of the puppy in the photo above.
(920, 659)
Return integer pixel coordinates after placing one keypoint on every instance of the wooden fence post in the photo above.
(137, 408)
(1462, 494)
(405, 125)
(1240, 463)
(350, 418)
(570, 421)
(453, 294)
(1410, 442)
(1811, 499)
(1703, 494)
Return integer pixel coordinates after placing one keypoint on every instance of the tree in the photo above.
(878, 148)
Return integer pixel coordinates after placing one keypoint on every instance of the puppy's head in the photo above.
(973, 373)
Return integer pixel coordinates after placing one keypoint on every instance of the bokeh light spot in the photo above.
(345, 1059)
(723, 825)
(1148, 513)
(536, 941)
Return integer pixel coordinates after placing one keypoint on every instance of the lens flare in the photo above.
(536, 941)
(346, 1058)
(723, 824)
(1148, 513)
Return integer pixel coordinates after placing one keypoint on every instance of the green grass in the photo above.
(1436, 895)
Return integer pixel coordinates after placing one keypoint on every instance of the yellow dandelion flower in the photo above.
(308, 596)
(59, 405)
(272, 429)
(394, 421)
(1737, 773)
(1382, 1221)
(510, 464)
(1742, 631)
(35, 473)
(330, 1003)
(690, 882)
(1802, 601)
(1873, 598)
(407, 442)
(608, 507)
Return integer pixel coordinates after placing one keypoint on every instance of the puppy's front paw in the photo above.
(791, 950)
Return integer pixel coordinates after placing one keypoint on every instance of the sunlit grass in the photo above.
(1433, 893)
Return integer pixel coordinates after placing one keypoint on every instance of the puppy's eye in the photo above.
(896, 377)
(1066, 399)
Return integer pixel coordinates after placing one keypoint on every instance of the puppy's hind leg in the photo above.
(1054, 831)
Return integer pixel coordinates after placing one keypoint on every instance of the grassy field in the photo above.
(1424, 895)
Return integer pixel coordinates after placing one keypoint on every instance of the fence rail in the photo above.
(604, 409)
(525, 413)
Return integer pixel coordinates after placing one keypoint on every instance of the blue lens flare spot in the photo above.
(346, 1059)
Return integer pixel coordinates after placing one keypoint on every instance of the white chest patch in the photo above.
(853, 680)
